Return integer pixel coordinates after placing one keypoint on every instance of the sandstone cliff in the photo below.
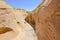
(46, 19)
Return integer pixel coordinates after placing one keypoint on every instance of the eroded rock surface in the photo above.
(47, 20)
(13, 25)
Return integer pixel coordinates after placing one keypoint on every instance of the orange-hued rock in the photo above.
(47, 20)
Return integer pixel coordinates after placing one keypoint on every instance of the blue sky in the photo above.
(24, 4)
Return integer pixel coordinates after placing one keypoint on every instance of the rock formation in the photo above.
(46, 19)
(4, 4)
(13, 25)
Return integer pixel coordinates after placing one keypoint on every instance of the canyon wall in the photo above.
(47, 20)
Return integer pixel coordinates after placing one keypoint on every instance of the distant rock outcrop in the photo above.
(4, 4)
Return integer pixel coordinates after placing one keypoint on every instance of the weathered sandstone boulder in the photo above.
(13, 25)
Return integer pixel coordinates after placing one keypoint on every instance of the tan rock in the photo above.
(4, 4)
(13, 25)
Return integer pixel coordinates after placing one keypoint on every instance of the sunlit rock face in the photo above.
(13, 25)
(47, 20)
(4, 5)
